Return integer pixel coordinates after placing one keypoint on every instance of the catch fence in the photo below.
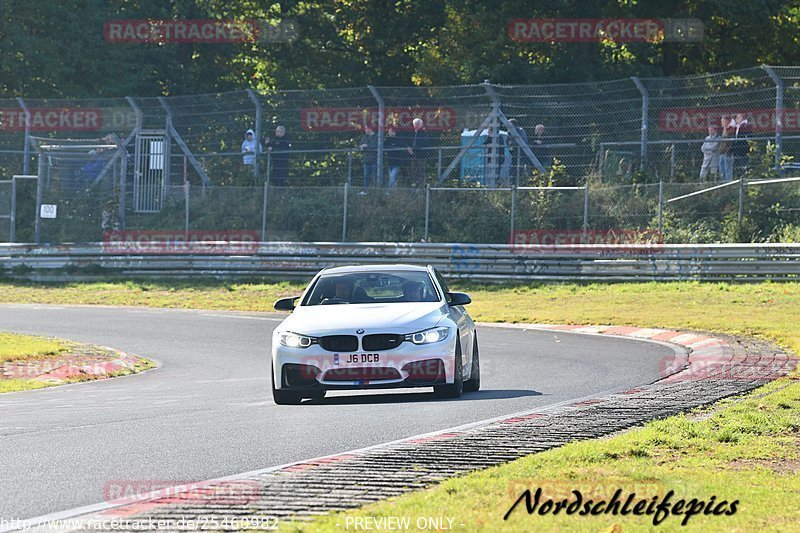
(701, 212)
(126, 163)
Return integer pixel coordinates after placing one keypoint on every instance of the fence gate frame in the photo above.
(149, 181)
(492, 122)
(8, 185)
(11, 216)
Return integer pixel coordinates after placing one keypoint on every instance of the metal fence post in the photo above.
(381, 121)
(495, 147)
(26, 150)
(741, 199)
(12, 233)
(123, 187)
(269, 165)
(513, 212)
(344, 213)
(264, 212)
(134, 134)
(586, 205)
(778, 113)
(349, 166)
(186, 209)
(427, 209)
(37, 238)
(257, 103)
(645, 116)
(660, 206)
(672, 162)
(167, 140)
(439, 165)
(172, 134)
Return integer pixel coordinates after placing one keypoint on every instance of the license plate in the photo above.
(356, 358)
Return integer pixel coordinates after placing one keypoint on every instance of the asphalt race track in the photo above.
(207, 411)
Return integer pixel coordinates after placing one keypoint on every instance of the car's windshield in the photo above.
(372, 287)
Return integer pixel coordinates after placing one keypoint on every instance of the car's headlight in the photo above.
(295, 340)
(429, 336)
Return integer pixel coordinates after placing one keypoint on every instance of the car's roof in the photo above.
(374, 268)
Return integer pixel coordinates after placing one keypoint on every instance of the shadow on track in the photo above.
(411, 397)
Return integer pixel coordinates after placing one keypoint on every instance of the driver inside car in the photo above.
(343, 290)
(413, 292)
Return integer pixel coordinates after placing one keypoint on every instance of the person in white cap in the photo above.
(249, 149)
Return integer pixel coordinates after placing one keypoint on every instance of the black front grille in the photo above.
(370, 373)
(339, 343)
(382, 341)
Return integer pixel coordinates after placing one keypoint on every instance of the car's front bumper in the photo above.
(408, 365)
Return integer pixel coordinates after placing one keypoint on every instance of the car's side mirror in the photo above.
(286, 304)
(459, 298)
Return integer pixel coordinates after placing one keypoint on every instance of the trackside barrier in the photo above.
(479, 262)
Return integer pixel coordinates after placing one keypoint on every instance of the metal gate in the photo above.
(150, 171)
(6, 211)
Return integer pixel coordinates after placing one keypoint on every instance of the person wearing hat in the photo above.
(250, 148)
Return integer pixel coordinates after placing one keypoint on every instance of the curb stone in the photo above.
(80, 360)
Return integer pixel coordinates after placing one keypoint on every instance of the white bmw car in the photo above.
(374, 327)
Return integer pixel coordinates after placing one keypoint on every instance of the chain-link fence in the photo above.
(707, 212)
(486, 161)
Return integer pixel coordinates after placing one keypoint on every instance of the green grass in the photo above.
(14, 347)
(178, 295)
(745, 449)
(15, 385)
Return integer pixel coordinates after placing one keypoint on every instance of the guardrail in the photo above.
(480, 262)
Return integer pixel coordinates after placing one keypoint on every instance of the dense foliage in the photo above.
(59, 49)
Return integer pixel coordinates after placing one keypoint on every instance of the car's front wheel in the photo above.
(473, 384)
(456, 389)
(284, 397)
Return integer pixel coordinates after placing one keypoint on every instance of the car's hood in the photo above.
(375, 318)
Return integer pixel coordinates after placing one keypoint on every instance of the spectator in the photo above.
(279, 146)
(395, 155)
(740, 147)
(418, 150)
(250, 148)
(725, 155)
(369, 149)
(91, 170)
(710, 149)
(541, 147)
